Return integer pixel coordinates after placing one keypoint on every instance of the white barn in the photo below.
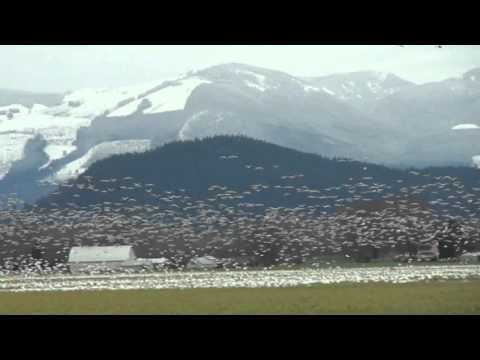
(108, 258)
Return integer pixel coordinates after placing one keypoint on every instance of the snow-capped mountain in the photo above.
(366, 116)
(240, 99)
(59, 124)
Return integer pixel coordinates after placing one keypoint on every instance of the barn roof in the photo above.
(100, 253)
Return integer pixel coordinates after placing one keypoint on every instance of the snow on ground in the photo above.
(465, 127)
(99, 152)
(170, 98)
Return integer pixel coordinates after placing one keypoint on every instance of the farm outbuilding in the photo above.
(159, 263)
(473, 257)
(109, 258)
(203, 263)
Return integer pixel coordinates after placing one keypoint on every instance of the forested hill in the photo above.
(241, 170)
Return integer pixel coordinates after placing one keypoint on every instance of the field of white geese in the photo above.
(240, 279)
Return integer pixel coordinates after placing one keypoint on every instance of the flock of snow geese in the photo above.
(228, 224)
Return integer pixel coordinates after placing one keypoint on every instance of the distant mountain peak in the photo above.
(233, 67)
(257, 78)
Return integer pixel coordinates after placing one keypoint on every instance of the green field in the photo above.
(450, 297)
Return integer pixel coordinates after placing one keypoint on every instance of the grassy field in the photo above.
(450, 297)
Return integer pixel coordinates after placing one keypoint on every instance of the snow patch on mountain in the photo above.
(38, 108)
(375, 87)
(170, 98)
(91, 103)
(99, 152)
(465, 127)
(125, 110)
(173, 98)
(255, 86)
(11, 150)
(186, 128)
(58, 149)
(257, 81)
(328, 91)
(310, 88)
(59, 132)
(11, 111)
(476, 161)
(360, 88)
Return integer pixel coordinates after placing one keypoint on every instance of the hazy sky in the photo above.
(68, 67)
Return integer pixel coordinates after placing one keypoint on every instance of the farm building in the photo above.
(203, 263)
(473, 257)
(159, 263)
(109, 258)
